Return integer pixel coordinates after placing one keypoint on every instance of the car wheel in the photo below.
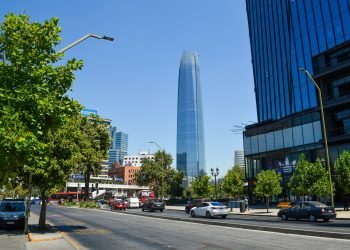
(193, 214)
(284, 216)
(187, 211)
(223, 216)
(208, 214)
(312, 218)
(326, 219)
(161, 210)
(143, 210)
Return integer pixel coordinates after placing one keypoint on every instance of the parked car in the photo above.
(118, 205)
(311, 210)
(209, 210)
(12, 213)
(133, 202)
(153, 204)
(35, 201)
(194, 203)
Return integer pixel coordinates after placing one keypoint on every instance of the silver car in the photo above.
(209, 210)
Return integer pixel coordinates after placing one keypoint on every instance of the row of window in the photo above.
(285, 138)
(284, 37)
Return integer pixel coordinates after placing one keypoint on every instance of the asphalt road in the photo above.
(334, 226)
(96, 229)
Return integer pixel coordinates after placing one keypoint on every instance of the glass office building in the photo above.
(287, 35)
(119, 146)
(190, 157)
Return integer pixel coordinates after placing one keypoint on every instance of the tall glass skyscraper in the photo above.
(287, 35)
(190, 157)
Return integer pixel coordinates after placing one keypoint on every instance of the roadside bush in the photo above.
(89, 204)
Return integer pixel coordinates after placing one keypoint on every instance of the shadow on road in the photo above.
(11, 231)
(56, 228)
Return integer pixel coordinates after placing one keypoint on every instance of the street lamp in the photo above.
(162, 151)
(215, 173)
(83, 38)
(324, 132)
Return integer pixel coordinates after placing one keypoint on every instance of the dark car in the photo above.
(153, 204)
(311, 210)
(12, 213)
(194, 203)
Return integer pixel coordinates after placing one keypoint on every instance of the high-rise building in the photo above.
(190, 155)
(136, 160)
(239, 158)
(287, 35)
(119, 146)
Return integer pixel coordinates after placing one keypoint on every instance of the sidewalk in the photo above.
(341, 214)
(49, 239)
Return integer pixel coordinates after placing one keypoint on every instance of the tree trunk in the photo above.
(87, 184)
(267, 204)
(42, 218)
(26, 222)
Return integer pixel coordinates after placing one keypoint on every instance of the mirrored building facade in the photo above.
(287, 35)
(190, 156)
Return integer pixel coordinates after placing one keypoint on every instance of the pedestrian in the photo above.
(246, 203)
(346, 202)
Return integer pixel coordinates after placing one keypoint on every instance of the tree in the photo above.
(233, 181)
(174, 183)
(61, 153)
(201, 186)
(33, 99)
(309, 179)
(268, 183)
(155, 173)
(342, 170)
(318, 175)
(299, 182)
(93, 148)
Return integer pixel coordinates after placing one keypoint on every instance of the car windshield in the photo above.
(157, 201)
(216, 204)
(12, 207)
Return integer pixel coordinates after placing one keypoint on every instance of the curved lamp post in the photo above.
(215, 173)
(83, 38)
(324, 132)
(161, 186)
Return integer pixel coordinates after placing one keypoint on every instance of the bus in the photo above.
(57, 198)
(143, 195)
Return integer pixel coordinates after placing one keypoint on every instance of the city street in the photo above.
(98, 229)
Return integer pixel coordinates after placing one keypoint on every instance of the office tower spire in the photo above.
(190, 158)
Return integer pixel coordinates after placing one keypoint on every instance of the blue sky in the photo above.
(133, 80)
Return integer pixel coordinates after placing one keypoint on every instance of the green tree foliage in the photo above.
(174, 183)
(93, 147)
(157, 173)
(342, 169)
(33, 100)
(320, 186)
(201, 186)
(233, 181)
(268, 183)
(300, 182)
(309, 179)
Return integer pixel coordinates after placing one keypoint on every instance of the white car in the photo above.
(209, 210)
(133, 202)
